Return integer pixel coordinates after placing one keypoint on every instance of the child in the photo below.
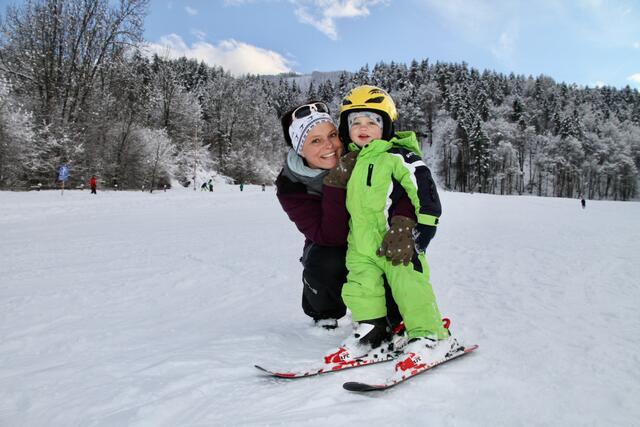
(388, 164)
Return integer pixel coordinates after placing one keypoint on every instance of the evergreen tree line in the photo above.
(76, 89)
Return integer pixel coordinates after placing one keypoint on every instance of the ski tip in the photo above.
(391, 382)
(356, 386)
(285, 375)
(273, 373)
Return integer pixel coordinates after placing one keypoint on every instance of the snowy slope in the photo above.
(137, 309)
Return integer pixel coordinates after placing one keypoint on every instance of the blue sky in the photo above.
(588, 42)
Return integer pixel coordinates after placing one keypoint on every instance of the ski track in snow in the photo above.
(137, 309)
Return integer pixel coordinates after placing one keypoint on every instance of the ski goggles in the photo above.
(307, 109)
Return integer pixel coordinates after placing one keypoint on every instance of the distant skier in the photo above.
(241, 186)
(93, 183)
(583, 203)
(210, 184)
(204, 186)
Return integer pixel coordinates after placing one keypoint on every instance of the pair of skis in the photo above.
(400, 374)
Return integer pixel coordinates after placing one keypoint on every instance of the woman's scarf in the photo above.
(296, 170)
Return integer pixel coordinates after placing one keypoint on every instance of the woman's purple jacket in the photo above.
(323, 219)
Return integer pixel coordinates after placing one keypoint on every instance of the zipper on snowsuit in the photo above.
(369, 173)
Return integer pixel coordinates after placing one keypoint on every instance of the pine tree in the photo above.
(311, 92)
(479, 157)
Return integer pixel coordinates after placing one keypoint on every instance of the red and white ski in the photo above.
(340, 359)
(331, 363)
(403, 373)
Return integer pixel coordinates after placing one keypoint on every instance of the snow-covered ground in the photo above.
(138, 309)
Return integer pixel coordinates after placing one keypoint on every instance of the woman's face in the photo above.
(322, 147)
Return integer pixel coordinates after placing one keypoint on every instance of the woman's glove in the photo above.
(422, 234)
(339, 176)
(398, 244)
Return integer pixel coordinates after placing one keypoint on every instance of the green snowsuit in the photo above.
(382, 170)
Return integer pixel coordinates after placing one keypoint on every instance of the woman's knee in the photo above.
(326, 261)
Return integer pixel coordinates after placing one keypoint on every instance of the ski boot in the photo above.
(367, 336)
(422, 351)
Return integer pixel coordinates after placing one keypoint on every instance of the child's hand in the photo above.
(422, 234)
(398, 245)
(339, 176)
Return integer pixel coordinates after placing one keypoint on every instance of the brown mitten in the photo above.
(398, 245)
(339, 176)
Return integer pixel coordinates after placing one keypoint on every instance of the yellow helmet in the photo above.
(368, 98)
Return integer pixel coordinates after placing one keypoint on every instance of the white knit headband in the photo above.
(300, 128)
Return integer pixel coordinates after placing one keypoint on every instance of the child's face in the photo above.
(322, 148)
(364, 130)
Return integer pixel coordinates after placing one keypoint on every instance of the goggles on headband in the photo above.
(304, 110)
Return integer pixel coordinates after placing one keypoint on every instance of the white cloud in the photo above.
(634, 78)
(322, 14)
(236, 57)
(505, 48)
(599, 83)
(199, 34)
(636, 45)
(191, 11)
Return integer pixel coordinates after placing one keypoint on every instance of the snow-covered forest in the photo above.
(76, 87)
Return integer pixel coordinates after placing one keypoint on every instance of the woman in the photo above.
(311, 190)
